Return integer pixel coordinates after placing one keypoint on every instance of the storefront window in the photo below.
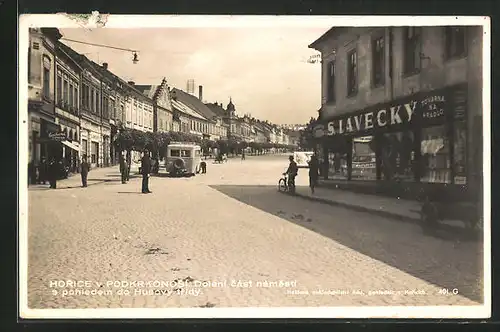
(435, 152)
(397, 156)
(459, 158)
(363, 159)
(337, 165)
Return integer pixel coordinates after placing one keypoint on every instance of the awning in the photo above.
(71, 145)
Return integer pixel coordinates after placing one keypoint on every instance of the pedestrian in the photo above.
(31, 172)
(84, 170)
(52, 172)
(123, 168)
(203, 166)
(145, 170)
(128, 159)
(42, 171)
(313, 172)
(243, 154)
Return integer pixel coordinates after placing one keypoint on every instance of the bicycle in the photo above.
(284, 186)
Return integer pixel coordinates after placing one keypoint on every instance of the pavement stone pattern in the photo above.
(230, 224)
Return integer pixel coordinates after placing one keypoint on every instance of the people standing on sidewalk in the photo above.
(313, 172)
(123, 168)
(85, 169)
(145, 170)
(52, 171)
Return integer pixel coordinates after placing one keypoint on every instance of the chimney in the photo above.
(200, 92)
(105, 65)
(131, 82)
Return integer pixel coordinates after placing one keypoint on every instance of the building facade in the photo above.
(41, 93)
(67, 105)
(401, 103)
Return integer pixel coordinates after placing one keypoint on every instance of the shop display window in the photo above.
(397, 156)
(363, 159)
(337, 166)
(435, 150)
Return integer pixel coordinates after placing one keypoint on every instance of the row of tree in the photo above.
(134, 140)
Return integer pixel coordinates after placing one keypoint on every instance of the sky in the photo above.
(263, 70)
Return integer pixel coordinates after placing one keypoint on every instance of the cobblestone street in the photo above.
(234, 241)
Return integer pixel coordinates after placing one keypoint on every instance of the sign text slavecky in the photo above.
(394, 115)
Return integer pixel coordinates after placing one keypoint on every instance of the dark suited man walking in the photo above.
(84, 170)
(145, 170)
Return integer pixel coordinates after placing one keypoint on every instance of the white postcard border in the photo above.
(151, 21)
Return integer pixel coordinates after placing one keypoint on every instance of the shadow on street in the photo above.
(405, 246)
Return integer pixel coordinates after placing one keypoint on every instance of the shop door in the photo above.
(94, 154)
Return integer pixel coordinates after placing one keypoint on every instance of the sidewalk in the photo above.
(400, 209)
(96, 175)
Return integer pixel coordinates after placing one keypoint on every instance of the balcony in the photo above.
(65, 106)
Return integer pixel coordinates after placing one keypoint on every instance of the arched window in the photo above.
(66, 132)
(75, 136)
(70, 135)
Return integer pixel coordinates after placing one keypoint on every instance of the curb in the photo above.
(358, 208)
(476, 235)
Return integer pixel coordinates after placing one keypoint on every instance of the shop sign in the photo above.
(398, 114)
(423, 108)
(433, 107)
(57, 136)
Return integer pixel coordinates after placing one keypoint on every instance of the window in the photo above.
(378, 61)
(330, 93)
(85, 96)
(175, 153)
(59, 88)
(46, 82)
(435, 149)
(71, 90)
(352, 73)
(84, 147)
(186, 153)
(98, 102)
(455, 42)
(112, 108)
(92, 100)
(65, 92)
(412, 48)
(75, 95)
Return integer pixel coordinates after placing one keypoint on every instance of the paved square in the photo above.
(229, 239)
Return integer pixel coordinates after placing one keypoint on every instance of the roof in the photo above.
(195, 103)
(186, 109)
(217, 109)
(324, 36)
(147, 90)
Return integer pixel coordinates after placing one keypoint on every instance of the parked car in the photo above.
(183, 159)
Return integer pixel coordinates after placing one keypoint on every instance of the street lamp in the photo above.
(135, 59)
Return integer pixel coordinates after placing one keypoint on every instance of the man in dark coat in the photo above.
(42, 171)
(313, 172)
(145, 170)
(52, 171)
(123, 168)
(85, 169)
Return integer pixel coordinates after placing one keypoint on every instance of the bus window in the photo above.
(186, 153)
(175, 153)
